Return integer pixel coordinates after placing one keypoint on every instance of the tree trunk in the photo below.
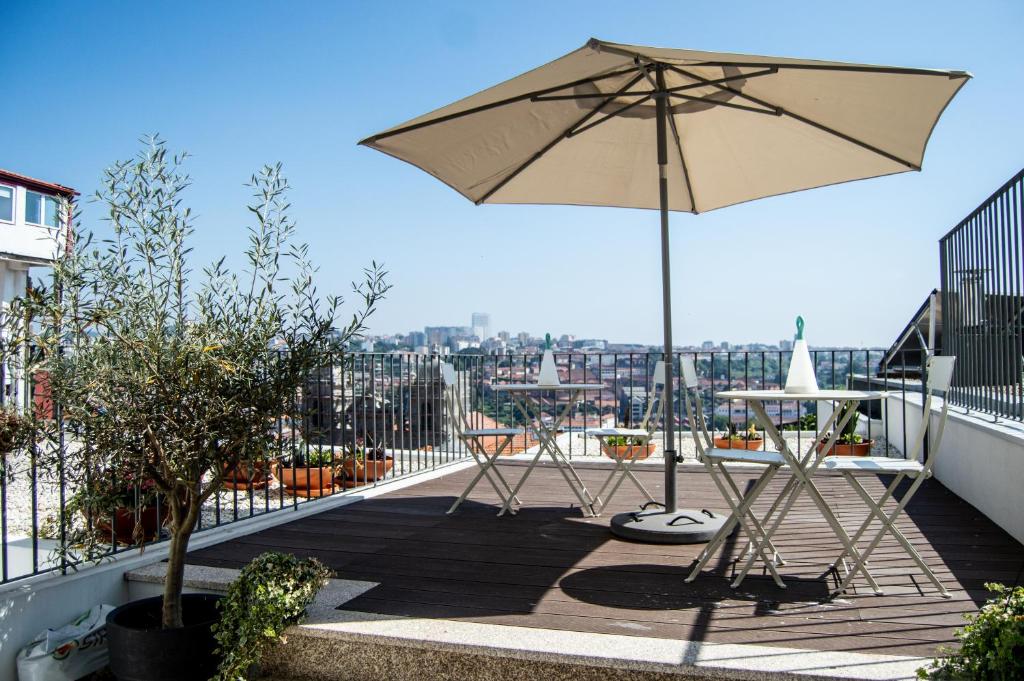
(183, 521)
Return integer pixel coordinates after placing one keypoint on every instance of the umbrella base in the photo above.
(685, 526)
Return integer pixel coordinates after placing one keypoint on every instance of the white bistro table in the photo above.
(528, 399)
(803, 466)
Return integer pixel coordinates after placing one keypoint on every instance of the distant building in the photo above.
(481, 326)
(785, 344)
(707, 345)
(33, 227)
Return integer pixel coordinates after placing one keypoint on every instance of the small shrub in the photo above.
(271, 593)
(991, 645)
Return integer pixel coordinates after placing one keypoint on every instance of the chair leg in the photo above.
(888, 526)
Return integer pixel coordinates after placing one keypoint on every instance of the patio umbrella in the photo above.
(620, 125)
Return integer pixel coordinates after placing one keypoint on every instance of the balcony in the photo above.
(416, 587)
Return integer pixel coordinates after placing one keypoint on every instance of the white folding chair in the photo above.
(474, 441)
(714, 460)
(939, 376)
(642, 435)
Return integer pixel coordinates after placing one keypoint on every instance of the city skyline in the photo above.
(856, 260)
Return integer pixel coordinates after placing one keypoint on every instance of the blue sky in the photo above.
(240, 84)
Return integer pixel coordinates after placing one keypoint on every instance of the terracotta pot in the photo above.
(637, 452)
(357, 472)
(124, 519)
(859, 449)
(315, 481)
(248, 475)
(726, 443)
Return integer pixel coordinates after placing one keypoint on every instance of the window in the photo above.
(6, 203)
(40, 209)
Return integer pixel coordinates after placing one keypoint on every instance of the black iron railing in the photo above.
(982, 270)
(394, 402)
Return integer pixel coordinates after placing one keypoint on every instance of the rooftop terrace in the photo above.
(549, 569)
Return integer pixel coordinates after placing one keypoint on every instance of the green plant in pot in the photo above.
(308, 471)
(171, 375)
(627, 447)
(733, 438)
(849, 443)
(991, 644)
(364, 462)
(119, 506)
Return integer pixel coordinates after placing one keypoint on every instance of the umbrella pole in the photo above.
(668, 525)
(668, 400)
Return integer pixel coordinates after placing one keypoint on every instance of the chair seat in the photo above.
(745, 456)
(618, 432)
(871, 464)
(493, 432)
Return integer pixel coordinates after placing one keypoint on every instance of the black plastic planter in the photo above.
(141, 651)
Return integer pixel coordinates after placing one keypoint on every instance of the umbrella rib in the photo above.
(682, 160)
(806, 121)
(730, 105)
(578, 130)
(853, 68)
(492, 105)
(547, 147)
(671, 90)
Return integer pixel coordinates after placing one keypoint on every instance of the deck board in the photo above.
(549, 567)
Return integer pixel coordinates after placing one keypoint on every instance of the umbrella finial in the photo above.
(547, 341)
(799, 328)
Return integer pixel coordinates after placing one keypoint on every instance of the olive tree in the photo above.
(168, 376)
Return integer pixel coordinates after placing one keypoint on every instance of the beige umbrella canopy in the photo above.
(684, 130)
(579, 130)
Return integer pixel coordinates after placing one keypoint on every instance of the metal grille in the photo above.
(983, 304)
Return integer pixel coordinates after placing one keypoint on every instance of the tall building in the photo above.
(481, 325)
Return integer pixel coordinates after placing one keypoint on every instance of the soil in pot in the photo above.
(141, 651)
(300, 481)
(727, 443)
(857, 449)
(627, 452)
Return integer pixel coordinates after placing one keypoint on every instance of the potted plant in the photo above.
(15, 432)
(627, 447)
(849, 442)
(363, 463)
(308, 472)
(174, 376)
(732, 439)
(121, 507)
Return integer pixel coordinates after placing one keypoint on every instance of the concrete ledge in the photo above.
(334, 645)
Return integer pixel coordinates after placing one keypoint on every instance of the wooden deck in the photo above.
(550, 567)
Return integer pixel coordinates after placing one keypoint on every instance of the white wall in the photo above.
(22, 239)
(979, 460)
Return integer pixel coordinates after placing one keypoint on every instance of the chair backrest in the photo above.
(652, 415)
(452, 399)
(939, 371)
(695, 407)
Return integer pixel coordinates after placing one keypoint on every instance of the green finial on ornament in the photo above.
(799, 328)
(547, 341)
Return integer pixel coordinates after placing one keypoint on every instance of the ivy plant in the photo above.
(271, 593)
(991, 645)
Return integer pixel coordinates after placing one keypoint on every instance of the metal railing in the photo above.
(982, 271)
(394, 401)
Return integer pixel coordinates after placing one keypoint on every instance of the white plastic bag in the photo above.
(69, 653)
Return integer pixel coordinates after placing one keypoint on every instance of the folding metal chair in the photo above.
(644, 434)
(474, 441)
(714, 460)
(939, 376)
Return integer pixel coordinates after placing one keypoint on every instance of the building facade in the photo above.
(34, 219)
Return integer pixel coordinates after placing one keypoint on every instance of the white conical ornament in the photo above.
(548, 370)
(801, 378)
